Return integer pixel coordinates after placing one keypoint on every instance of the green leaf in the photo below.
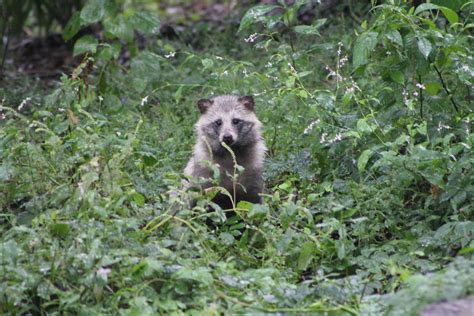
(424, 7)
(306, 255)
(138, 199)
(109, 51)
(341, 249)
(119, 27)
(146, 66)
(466, 250)
(145, 22)
(244, 205)
(432, 88)
(198, 274)
(364, 127)
(227, 238)
(455, 5)
(397, 76)
(363, 46)
(424, 46)
(60, 230)
(363, 159)
(310, 29)
(7, 170)
(255, 14)
(395, 37)
(93, 12)
(450, 15)
(72, 27)
(85, 44)
(306, 29)
(299, 3)
(258, 211)
(207, 63)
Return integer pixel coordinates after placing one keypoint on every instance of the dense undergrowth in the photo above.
(369, 176)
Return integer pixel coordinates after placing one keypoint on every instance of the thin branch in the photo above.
(446, 88)
(421, 96)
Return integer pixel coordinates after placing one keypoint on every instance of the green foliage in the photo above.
(119, 25)
(15, 14)
(369, 173)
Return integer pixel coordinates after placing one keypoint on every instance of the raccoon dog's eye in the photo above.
(218, 122)
(236, 121)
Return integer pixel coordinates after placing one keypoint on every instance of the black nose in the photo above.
(228, 139)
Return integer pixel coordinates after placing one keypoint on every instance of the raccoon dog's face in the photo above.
(228, 119)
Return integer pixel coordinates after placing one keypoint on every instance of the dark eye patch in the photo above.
(218, 122)
(236, 121)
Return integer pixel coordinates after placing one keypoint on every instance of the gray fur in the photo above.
(239, 124)
(460, 307)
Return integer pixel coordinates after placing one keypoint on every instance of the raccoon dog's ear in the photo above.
(204, 104)
(248, 102)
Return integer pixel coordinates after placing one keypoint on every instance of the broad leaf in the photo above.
(363, 159)
(306, 255)
(72, 27)
(424, 46)
(397, 76)
(255, 14)
(310, 29)
(85, 44)
(395, 37)
(119, 27)
(450, 15)
(145, 22)
(93, 11)
(364, 45)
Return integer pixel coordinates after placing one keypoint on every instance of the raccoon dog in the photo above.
(231, 120)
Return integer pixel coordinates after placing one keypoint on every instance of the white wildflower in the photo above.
(251, 38)
(406, 101)
(103, 273)
(343, 61)
(170, 55)
(442, 126)
(310, 127)
(144, 101)
(23, 103)
(354, 84)
(339, 50)
(322, 140)
(292, 68)
(332, 73)
(420, 86)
